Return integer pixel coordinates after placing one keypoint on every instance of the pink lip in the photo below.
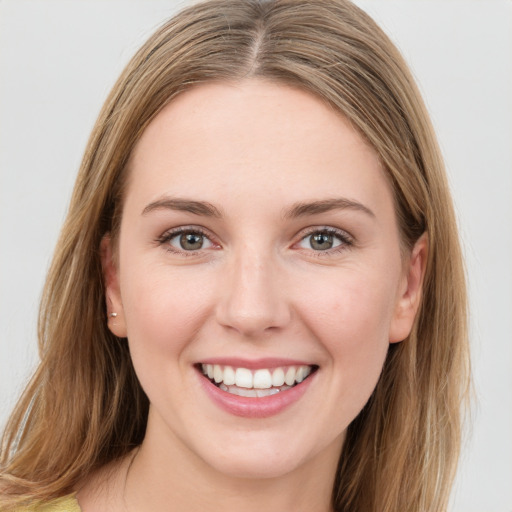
(255, 364)
(250, 407)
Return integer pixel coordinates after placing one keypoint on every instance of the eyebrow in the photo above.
(326, 205)
(185, 205)
(300, 209)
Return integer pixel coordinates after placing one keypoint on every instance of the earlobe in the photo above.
(114, 313)
(410, 293)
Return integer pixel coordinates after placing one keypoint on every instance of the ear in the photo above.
(115, 312)
(410, 291)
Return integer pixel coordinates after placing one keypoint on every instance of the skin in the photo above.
(257, 288)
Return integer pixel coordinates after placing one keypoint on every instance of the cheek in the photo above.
(163, 309)
(355, 309)
(350, 316)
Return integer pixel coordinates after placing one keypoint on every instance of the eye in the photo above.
(325, 240)
(186, 240)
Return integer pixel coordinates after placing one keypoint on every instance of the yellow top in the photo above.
(65, 504)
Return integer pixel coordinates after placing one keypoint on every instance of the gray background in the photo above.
(58, 59)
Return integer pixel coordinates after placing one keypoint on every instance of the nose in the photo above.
(253, 300)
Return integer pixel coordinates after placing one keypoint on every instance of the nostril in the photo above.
(253, 301)
(253, 320)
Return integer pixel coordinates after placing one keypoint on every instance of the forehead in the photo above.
(254, 138)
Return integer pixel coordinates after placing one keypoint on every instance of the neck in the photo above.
(171, 477)
(164, 474)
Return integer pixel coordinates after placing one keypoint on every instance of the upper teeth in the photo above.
(259, 379)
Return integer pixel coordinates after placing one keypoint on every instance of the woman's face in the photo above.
(258, 243)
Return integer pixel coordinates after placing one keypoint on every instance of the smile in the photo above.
(258, 383)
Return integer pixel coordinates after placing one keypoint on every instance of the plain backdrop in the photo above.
(59, 58)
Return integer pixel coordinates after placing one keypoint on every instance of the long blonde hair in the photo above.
(84, 406)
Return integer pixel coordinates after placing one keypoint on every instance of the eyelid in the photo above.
(173, 232)
(347, 240)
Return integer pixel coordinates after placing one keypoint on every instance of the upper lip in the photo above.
(255, 364)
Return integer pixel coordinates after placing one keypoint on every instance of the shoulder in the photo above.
(64, 504)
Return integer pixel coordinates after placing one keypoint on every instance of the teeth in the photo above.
(278, 377)
(247, 392)
(243, 377)
(267, 392)
(264, 381)
(229, 376)
(290, 376)
(218, 374)
(252, 393)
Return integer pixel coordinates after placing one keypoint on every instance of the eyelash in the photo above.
(173, 233)
(346, 241)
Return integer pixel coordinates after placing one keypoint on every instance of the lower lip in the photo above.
(252, 407)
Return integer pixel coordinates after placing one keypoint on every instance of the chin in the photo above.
(268, 456)
(257, 467)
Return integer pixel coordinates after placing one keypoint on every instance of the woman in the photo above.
(258, 298)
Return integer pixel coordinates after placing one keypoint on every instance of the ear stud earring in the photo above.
(112, 315)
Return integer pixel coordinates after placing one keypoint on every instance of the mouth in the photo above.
(258, 383)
